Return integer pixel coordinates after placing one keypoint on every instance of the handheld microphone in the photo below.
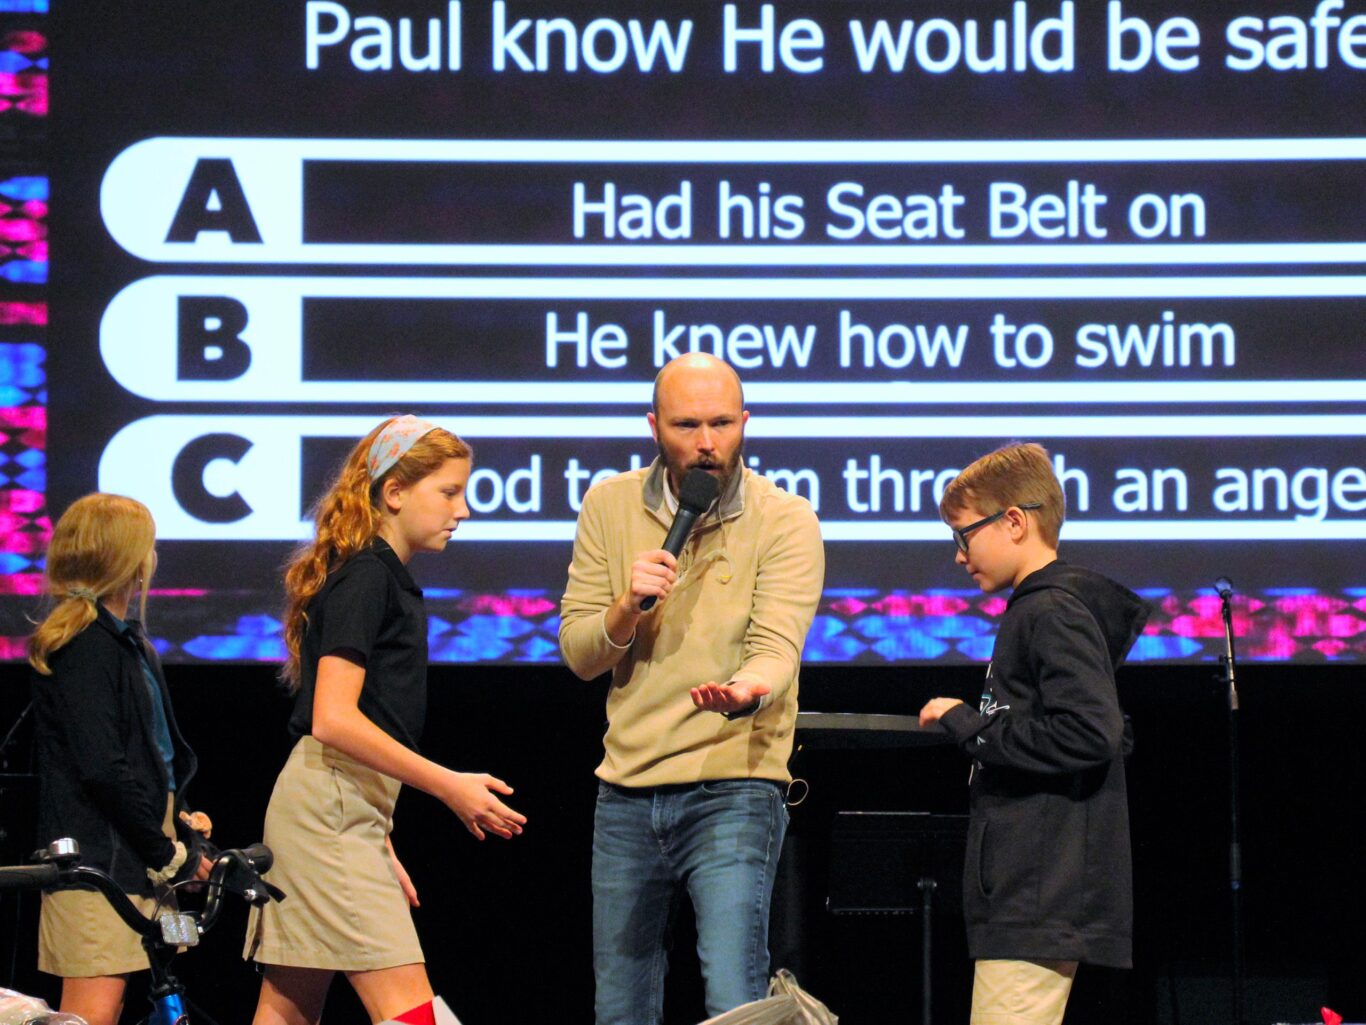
(695, 496)
(1224, 587)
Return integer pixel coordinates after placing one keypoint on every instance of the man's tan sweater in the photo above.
(749, 582)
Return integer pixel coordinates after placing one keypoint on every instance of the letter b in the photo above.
(1120, 26)
(209, 339)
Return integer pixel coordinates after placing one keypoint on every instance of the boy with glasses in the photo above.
(1048, 880)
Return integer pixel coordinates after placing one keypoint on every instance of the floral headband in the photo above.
(398, 436)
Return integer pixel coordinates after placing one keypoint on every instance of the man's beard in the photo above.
(677, 473)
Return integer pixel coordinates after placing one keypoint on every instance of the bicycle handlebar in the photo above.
(29, 877)
(259, 856)
(239, 872)
(235, 871)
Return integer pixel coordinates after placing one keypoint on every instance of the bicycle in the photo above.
(163, 933)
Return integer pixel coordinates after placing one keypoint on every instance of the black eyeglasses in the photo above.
(960, 537)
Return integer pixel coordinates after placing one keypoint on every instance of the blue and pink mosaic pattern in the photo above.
(852, 626)
(24, 524)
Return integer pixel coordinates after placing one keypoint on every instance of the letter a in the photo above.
(213, 201)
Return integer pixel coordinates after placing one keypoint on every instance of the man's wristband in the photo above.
(611, 643)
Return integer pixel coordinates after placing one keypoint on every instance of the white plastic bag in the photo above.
(786, 1004)
(18, 1009)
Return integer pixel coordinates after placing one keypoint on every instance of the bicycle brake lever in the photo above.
(260, 892)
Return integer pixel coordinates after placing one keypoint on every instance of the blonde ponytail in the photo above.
(101, 546)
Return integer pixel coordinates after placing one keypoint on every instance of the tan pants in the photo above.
(1021, 992)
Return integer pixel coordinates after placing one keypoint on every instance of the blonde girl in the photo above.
(112, 765)
(356, 634)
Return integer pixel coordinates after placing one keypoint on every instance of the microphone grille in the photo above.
(698, 491)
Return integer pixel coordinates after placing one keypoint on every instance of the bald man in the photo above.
(703, 699)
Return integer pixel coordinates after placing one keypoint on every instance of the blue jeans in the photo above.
(717, 840)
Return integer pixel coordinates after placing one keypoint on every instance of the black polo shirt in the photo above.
(371, 606)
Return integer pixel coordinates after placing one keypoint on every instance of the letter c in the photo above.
(187, 478)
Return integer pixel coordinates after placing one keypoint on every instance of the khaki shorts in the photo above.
(344, 909)
(1021, 992)
(81, 936)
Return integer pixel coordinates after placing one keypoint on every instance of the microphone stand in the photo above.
(1228, 661)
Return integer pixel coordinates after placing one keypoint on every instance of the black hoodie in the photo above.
(1049, 871)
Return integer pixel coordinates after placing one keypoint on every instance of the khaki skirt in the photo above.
(81, 936)
(344, 909)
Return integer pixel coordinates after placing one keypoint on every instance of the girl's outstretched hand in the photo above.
(472, 796)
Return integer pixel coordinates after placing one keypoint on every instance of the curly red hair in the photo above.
(348, 518)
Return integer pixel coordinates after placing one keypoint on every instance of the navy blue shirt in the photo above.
(370, 607)
(161, 729)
